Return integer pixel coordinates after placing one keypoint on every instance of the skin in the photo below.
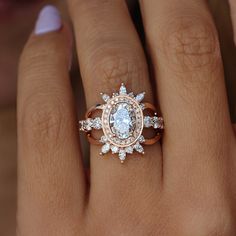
(183, 186)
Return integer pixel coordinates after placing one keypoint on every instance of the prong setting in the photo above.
(122, 123)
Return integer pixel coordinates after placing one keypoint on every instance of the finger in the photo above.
(51, 184)
(110, 53)
(233, 15)
(186, 56)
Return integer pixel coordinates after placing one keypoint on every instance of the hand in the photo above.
(185, 185)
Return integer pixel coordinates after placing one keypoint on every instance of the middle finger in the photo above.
(110, 53)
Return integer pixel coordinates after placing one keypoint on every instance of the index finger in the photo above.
(51, 185)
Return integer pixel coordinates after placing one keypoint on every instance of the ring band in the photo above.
(122, 123)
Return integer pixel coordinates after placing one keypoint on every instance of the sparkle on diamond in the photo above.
(122, 120)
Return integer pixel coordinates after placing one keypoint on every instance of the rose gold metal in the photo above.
(151, 141)
(149, 106)
(88, 115)
(92, 140)
(92, 109)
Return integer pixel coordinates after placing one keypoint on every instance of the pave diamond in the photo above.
(103, 139)
(142, 106)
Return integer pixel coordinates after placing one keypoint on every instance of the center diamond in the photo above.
(122, 120)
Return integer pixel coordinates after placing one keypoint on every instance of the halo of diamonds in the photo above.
(122, 123)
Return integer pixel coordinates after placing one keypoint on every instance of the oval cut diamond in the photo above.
(122, 120)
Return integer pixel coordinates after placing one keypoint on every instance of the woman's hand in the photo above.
(185, 185)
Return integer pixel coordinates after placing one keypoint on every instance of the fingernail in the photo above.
(49, 20)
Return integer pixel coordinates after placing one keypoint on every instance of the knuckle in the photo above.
(113, 67)
(191, 44)
(217, 222)
(43, 123)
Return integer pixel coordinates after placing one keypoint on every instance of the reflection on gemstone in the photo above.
(122, 120)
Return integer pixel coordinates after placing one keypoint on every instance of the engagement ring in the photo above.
(122, 122)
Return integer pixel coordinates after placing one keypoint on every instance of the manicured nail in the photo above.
(49, 20)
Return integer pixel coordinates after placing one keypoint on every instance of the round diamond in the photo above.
(96, 123)
(147, 121)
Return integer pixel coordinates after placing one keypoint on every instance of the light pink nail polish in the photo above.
(49, 20)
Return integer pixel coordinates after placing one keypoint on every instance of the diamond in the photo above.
(115, 95)
(129, 149)
(157, 122)
(97, 123)
(105, 97)
(122, 121)
(156, 125)
(142, 106)
(122, 154)
(141, 139)
(147, 121)
(131, 94)
(123, 90)
(105, 148)
(103, 139)
(140, 97)
(138, 147)
(86, 125)
(114, 149)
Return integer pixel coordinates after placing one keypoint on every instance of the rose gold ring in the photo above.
(122, 122)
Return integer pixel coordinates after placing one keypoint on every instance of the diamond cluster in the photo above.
(121, 151)
(155, 122)
(122, 123)
(90, 123)
(122, 120)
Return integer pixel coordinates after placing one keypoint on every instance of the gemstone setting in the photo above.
(122, 120)
(122, 123)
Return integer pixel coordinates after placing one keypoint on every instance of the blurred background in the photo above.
(17, 18)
